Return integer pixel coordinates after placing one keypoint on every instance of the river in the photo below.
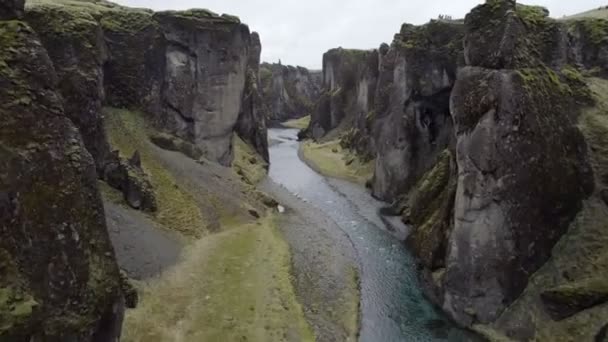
(393, 307)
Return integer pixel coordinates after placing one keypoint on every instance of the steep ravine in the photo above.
(134, 174)
(484, 135)
(393, 307)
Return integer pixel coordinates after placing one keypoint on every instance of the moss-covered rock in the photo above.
(429, 211)
(518, 149)
(172, 143)
(74, 41)
(59, 279)
(566, 300)
(288, 92)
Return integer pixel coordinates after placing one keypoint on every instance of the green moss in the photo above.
(247, 163)
(132, 21)
(532, 15)
(594, 286)
(426, 192)
(428, 209)
(232, 18)
(594, 125)
(543, 84)
(332, 160)
(593, 28)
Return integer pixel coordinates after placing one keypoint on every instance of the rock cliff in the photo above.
(485, 134)
(288, 92)
(59, 279)
(194, 75)
(187, 70)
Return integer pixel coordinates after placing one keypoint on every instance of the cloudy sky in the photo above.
(299, 31)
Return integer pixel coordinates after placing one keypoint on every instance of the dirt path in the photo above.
(324, 267)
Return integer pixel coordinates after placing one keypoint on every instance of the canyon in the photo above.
(144, 196)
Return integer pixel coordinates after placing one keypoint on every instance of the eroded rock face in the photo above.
(205, 76)
(289, 92)
(413, 124)
(191, 71)
(347, 97)
(517, 151)
(78, 55)
(251, 125)
(58, 276)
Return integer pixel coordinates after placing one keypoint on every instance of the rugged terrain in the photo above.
(485, 134)
(288, 92)
(97, 96)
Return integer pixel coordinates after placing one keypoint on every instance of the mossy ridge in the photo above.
(177, 209)
(594, 28)
(594, 124)
(200, 19)
(546, 86)
(436, 36)
(230, 286)
(16, 305)
(248, 164)
(580, 254)
(428, 209)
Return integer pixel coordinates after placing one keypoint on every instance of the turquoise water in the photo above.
(393, 307)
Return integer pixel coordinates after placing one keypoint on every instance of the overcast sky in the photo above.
(299, 31)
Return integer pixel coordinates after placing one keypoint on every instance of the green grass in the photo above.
(177, 209)
(232, 286)
(301, 123)
(247, 163)
(332, 160)
(599, 13)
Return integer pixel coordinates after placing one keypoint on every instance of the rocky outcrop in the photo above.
(347, 97)
(58, 276)
(412, 119)
(251, 125)
(194, 73)
(289, 92)
(78, 55)
(476, 127)
(187, 70)
(75, 42)
(509, 106)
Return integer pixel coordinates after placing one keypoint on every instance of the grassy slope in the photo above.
(596, 13)
(300, 123)
(248, 163)
(232, 286)
(332, 160)
(177, 209)
(228, 285)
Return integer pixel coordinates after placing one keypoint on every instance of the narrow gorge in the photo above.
(160, 182)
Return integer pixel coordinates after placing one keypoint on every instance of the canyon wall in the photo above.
(59, 279)
(288, 92)
(194, 75)
(187, 70)
(485, 135)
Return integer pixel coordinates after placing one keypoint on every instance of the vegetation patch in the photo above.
(177, 209)
(333, 160)
(301, 123)
(248, 164)
(232, 286)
